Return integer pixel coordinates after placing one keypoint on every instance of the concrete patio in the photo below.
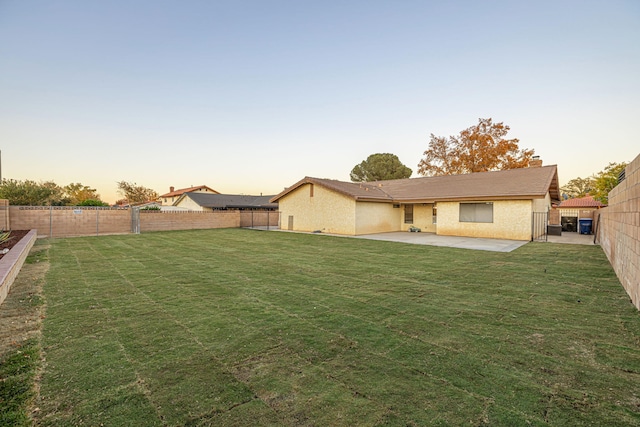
(476, 243)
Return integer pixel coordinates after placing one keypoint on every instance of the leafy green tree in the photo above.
(58, 196)
(31, 193)
(577, 187)
(380, 167)
(92, 202)
(77, 193)
(136, 194)
(605, 180)
(480, 148)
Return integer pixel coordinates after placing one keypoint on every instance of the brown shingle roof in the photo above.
(528, 183)
(356, 190)
(232, 201)
(582, 202)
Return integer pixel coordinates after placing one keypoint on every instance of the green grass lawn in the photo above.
(239, 327)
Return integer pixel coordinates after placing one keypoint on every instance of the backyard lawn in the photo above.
(255, 328)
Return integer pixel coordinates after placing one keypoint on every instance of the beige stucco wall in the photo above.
(188, 203)
(331, 212)
(542, 205)
(377, 218)
(511, 220)
(327, 211)
(422, 218)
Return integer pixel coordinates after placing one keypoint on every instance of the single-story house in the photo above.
(173, 195)
(215, 202)
(572, 210)
(498, 204)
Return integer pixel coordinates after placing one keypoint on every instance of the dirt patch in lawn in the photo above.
(22, 312)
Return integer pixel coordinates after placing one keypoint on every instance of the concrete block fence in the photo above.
(72, 221)
(618, 230)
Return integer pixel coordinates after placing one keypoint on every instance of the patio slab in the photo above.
(572, 238)
(477, 243)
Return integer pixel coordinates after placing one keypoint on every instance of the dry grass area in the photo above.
(22, 312)
(21, 316)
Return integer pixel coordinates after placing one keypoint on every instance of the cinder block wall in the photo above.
(68, 221)
(164, 221)
(619, 230)
(259, 218)
(4, 215)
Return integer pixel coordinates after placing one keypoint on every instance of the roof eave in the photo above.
(468, 198)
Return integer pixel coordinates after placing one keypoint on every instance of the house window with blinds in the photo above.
(476, 212)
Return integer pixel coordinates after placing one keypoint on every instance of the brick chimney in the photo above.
(535, 162)
(171, 189)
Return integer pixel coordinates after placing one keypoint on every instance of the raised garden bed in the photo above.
(14, 238)
(10, 263)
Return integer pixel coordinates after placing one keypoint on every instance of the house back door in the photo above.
(290, 223)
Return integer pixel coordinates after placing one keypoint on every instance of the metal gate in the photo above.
(265, 220)
(135, 220)
(539, 224)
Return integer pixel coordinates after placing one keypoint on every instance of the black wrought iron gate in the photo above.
(539, 223)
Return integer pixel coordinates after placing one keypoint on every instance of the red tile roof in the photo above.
(527, 183)
(582, 202)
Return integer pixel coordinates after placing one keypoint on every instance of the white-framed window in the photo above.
(476, 212)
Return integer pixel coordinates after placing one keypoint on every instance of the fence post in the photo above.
(135, 220)
(50, 221)
(97, 221)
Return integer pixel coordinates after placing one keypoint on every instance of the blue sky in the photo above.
(250, 96)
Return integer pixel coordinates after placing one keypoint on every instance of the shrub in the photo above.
(4, 236)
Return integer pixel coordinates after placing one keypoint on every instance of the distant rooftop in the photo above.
(173, 192)
(232, 201)
(582, 202)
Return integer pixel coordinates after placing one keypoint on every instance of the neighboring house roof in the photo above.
(173, 209)
(181, 191)
(230, 201)
(581, 202)
(508, 184)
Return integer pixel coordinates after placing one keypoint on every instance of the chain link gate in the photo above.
(135, 220)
